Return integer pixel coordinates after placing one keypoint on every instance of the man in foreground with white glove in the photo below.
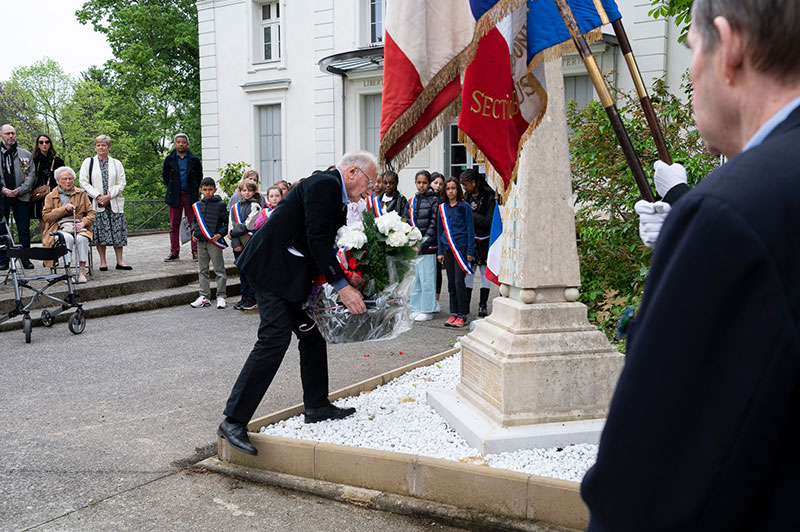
(671, 184)
(703, 430)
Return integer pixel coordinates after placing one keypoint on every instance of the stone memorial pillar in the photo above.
(536, 359)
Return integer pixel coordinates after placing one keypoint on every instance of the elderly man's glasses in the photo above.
(369, 181)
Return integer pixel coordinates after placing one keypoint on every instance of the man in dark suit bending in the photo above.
(281, 260)
(704, 428)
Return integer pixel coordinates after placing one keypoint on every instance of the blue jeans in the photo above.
(423, 296)
(22, 218)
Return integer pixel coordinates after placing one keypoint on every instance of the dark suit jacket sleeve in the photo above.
(711, 371)
(323, 215)
(483, 221)
(165, 172)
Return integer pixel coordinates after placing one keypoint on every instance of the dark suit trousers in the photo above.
(279, 318)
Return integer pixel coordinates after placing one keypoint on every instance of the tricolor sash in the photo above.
(237, 216)
(376, 206)
(465, 266)
(204, 228)
(411, 205)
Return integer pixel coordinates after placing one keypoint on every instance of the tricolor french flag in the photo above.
(495, 247)
(424, 51)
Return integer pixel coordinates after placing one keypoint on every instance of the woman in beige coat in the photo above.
(68, 208)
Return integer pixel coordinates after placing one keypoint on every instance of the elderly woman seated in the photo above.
(69, 210)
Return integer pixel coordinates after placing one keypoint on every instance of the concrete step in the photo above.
(121, 296)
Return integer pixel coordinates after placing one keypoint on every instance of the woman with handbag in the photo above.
(68, 209)
(103, 178)
(46, 162)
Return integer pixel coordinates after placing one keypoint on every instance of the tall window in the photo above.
(372, 122)
(270, 143)
(457, 158)
(376, 21)
(271, 31)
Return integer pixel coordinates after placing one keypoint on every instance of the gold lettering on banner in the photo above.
(497, 108)
(520, 48)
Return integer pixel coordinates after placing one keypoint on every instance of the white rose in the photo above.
(387, 222)
(396, 239)
(351, 236)
(414, 236)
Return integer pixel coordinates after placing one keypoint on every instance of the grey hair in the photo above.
(103, 138)
(361, 159)
(179, 135)
(63, 170)
(771, 29)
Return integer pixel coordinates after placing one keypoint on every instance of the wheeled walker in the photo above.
(77, 321)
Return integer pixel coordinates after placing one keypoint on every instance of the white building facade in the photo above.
(288, 86)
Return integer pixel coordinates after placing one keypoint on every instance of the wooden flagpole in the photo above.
(606, 100)
(641, 91)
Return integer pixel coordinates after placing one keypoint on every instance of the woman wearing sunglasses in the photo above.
(46, 162)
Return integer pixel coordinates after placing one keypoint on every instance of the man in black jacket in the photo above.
(704, 427)
(281, 260)
(181, 174)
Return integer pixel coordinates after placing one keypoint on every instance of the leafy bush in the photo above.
(230, 176)
(614, 262)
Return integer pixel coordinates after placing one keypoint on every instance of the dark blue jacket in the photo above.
(704, 427)
(214, 214)
(461, 227)
(426, 214)
(171, 176)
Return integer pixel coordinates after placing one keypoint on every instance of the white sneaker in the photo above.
(421, 316)
(201, 301)
(221, 303)
(81, 279)
(438, 307)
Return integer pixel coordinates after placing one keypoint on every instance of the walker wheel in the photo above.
(26, 328)
(77, 322)
(47, 318)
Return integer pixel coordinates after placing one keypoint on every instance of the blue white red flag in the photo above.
(495, 247)
(504, 95)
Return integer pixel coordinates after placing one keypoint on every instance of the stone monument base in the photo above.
(490, 438)
(538, 362)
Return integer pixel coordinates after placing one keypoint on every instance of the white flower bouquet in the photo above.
(378, 258)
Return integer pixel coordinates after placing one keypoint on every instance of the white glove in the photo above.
(667, 176)
(651, 218)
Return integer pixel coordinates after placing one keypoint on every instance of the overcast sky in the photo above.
(33, 29)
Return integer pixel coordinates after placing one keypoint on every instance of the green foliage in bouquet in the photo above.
(372, 259)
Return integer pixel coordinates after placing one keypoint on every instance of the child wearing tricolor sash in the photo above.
(456, 235)
(480, 197)
(242, 222)
(423, 210)
(209, 230)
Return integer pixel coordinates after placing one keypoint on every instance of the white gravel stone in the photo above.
(396, 417)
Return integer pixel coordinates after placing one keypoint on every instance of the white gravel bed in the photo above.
(396, 417)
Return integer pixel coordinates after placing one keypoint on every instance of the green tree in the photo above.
(46, 88)
(614, 262)
(154, 78)
(679, 10)
(18, 111)
(86, 117)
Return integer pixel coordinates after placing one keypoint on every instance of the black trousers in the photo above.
(22, 217)
(279, 318)
(459, 304)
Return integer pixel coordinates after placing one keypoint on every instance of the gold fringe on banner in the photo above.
(445, 76)
(549, 54)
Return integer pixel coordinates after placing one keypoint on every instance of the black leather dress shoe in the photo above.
(236, 435)
(27, 264)
(4, 264)
(482, 310)
(314, 415)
